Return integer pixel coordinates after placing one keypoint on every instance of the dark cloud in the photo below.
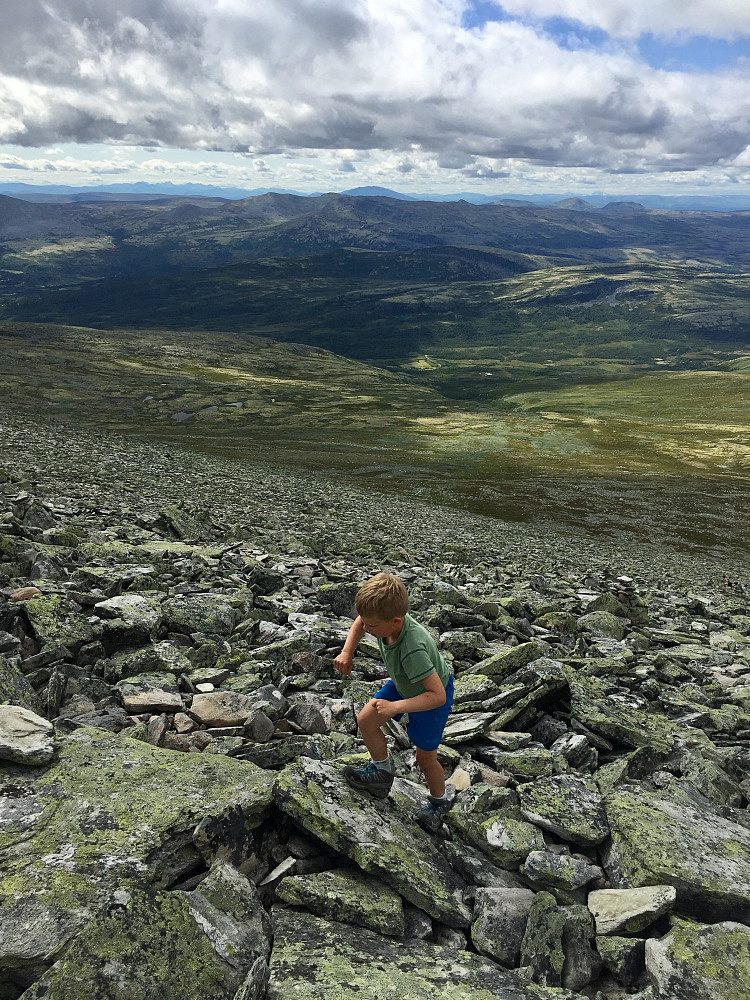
(265, 77)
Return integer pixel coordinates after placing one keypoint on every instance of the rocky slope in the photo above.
(173, 821)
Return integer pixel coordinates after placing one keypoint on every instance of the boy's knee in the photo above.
(368, 717)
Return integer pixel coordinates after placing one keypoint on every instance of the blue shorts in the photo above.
(425, 728)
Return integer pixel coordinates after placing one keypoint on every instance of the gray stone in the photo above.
(152, 693)
(542, 955)
(505, 662)
(222, 708)
(199, 613)
(499, 925)
(701, 962)
(25, 738)
(374, 835)
(623, 957)
(567, 805)
(15, 688)
(108, 813)
(663, 838)
(347, 896)
(312, 958)
(630, 910)
(601, 623)
(559, 871)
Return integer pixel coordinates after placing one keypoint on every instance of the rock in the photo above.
(499, 925)
(313, 957)
(52, 618)
(567, 805)
(504, 663)
(152, 693)
(347, 896)
(624, 957)
(582, 964)
(601, 623)
(222, 708)
(199, 613)
(15, 688)
(630, 910)
(496, 832)
(156, 944)
(229, 910)
(24, 594)
(663, 838)
(161, 657)
(373, 834)
(699, 961)
(619, 715)
(111, 813)
(559, 871)
(542, 956)
(25, 738)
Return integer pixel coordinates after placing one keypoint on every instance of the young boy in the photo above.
(421, 684)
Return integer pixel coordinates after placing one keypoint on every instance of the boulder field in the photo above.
(173, 818)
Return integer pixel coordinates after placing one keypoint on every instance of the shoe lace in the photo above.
(368, 770)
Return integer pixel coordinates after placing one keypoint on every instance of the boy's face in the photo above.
(385, 629)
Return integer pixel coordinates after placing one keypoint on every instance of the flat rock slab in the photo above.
(112, 812)
(314, 959)
(701, 962)
(373, 834)
(25, 737)
(618, 911)
(661, 838)
(567, 805)
(347, 895)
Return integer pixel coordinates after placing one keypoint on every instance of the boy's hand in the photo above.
(385, 709)
(344, 663)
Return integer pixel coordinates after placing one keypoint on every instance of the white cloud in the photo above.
(366, 85)
(631, 18)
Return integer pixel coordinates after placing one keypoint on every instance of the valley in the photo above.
(589, 372)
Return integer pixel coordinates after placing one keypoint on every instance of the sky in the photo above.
(583, 96)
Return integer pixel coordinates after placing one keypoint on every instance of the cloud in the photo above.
(398, 79)
(630, 18)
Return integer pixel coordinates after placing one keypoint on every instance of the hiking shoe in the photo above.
(370, 778)
(430, 817)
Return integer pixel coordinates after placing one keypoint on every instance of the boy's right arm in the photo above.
(344, 661)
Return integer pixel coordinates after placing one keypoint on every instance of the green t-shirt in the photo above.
(412, 657)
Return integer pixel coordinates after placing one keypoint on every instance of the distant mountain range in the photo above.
(143, 191)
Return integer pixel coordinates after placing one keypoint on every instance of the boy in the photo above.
(421, 684)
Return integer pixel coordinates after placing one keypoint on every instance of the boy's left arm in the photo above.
(433, 697)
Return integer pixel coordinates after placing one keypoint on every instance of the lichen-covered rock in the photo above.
(559, 871)
(499, 925)
(150, 693)
(662, 838)
(542, 955)
(149, 944)
(161, 657)
(601, 623)
(499, 833)
(504, 663)
(112, 812)
(312, 959)
(567, 805)
(199, 613)
(630, 910)
(349, 897)
(15, 688)
(618, 715)
(623, 957)
(374, 834)
(701, 962)
(229, 910)
(25, 737)
(56, 619)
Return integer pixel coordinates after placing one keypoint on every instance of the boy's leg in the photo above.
(369, 726)
(433, 772)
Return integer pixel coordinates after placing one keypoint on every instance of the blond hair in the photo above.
(383, 596)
